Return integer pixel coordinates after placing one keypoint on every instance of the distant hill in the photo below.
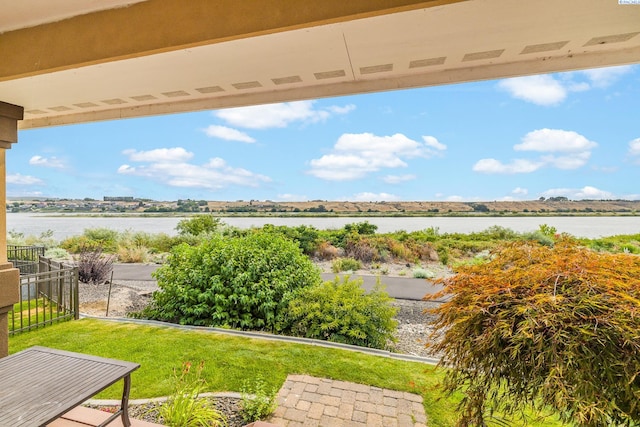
(551, 206)
(546, 206)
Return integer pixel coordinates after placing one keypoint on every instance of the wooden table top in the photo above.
(39, 384)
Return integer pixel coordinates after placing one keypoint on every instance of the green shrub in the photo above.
(243, 282)
(345, 264)
(256, 402)
(106, 238)
(198, 225)
(544, 327)
(421, 273)
(362, 228)
(304, 235)
(56, 253)
(341, 311)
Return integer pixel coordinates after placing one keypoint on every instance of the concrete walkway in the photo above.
(305, 401)
(397, 287)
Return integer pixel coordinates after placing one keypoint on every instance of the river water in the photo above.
(70, 225)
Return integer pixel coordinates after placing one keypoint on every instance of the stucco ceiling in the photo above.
(442, 44)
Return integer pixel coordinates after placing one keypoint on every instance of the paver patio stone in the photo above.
(317, 402)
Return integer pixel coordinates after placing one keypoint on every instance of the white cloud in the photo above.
(574, 149)
(177, 154)
(552, 140)
(634, 148)
(397, 179)
(520, 191)
(51, 162)
(631, 197)
(341, 110)
(18, 179)
(169, 166)
(573, 161)
(227, 133)
(540, 90)
(604, 77)
(372, 197)
(586, 192)
(516, 166)
(548, 90)
(287, 197)
(431, 141)
(279, 115)
(356, 155)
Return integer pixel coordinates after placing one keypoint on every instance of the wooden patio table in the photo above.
(40, 384)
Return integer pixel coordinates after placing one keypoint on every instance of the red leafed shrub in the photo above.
(544, 327)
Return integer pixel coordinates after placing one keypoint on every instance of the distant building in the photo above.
(118, 199)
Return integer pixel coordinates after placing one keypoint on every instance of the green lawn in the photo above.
(231, 360)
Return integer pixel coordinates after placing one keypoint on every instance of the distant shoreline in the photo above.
(128, 207)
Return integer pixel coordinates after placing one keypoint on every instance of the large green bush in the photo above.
(544, 327)
(341, 311)
(243, 282)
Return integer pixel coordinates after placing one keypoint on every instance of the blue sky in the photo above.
(571, 134)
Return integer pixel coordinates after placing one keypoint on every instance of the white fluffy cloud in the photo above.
(541, 90)
(604, 77)
(278, 115)
(48, 162)
(227, 133)
(19, 179)
(170, 167)
(586, 192)
(356, 155)
(371, 197)
(492, 166)
(287, 197)
(520, 191)
(397, 179)
(634, 148)
(567, 150)
(177, 154)
(554, 140)
(548, 90)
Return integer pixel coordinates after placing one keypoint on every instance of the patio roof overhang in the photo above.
(73, 61)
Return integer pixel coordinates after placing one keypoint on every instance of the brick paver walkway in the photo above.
(305, 401)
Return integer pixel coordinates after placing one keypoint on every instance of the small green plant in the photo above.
(421, 273)
(345, 264)
(56, 253)
(256, 401)
(185, 407)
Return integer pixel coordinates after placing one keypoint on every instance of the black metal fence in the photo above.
(46, 297)
(25, 258)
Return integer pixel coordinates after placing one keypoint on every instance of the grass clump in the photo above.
(345, 264)
(185, 407)
(421, 273)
